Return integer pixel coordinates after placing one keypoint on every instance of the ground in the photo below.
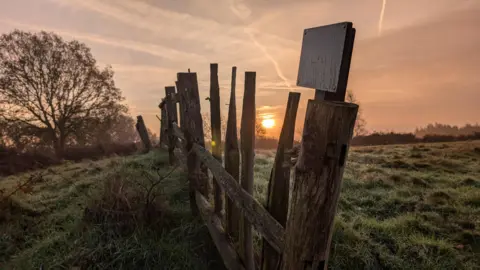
(401, 207)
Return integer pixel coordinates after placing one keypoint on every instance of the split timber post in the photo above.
(216, 133)
(247, 146)
(163, 141)
(143, 133)
(327, 132)
(318, 177)
(172, 118)
(197, 172)
(232, 161)
(279, 183)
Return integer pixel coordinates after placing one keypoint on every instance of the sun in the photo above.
(268, 123)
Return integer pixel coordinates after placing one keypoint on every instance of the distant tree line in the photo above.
(447, 130)
(384, 138)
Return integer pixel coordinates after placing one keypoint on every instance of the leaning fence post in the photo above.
(172, 118)
(197, 172)
(232, 160)
(216, 132)
(247, 145)
(328, 130)
(142, 131)
(279, 184)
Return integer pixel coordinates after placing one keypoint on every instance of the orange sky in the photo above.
(423, 67)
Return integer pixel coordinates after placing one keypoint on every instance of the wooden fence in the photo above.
(299, 240)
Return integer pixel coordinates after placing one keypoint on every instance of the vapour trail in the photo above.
(242, 14)
(382, 14)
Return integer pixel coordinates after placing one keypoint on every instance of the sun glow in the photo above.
(268, 123)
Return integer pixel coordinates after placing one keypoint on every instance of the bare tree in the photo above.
(53, 87)
(360, 124)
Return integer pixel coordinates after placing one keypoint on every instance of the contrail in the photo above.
(243, 13)
(269, 57)
(382, 14)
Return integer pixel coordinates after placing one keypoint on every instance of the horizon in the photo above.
(417, 61)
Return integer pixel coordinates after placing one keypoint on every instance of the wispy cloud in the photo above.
(243, 12)
(153, 49)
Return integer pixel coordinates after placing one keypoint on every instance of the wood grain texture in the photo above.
(247, 146)
(214, 225)
(181, 99)
(172, 118)
(254, 212)
(339, 95)
(216, 132)
(197, 172)
(232, 161)
(318, 176)
(181, 102)
(322, 55)
(279, 184)
(163, 126)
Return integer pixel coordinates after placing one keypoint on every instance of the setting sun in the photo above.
(268, 123)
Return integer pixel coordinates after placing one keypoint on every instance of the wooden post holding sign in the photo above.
(328, 129)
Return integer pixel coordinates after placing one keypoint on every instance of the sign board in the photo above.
(326, 54)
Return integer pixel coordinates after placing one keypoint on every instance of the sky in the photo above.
(419, 63)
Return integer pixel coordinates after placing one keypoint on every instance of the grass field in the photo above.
(401, 207)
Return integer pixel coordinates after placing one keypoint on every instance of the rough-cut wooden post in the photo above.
(247, 145)
(279, 184)
(197, 172)
(164, 122)
(172, 118)
(326, 137)
(232, 161)
(216, 132)
(181, 103)
(142, 131)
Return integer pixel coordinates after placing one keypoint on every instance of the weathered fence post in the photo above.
(216, 132)
(232, 161)
(172, 117)
(247, 145)
(164, 126)
(328, 130)
(197, 172)
(279, 184)
(181, 102)
(142, 131)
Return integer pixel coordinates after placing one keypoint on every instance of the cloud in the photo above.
(153, 49)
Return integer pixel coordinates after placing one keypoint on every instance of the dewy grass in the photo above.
(407, 207)
(94, 217)
(401, 207)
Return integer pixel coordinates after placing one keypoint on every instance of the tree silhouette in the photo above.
(53, 88)
(360, 124)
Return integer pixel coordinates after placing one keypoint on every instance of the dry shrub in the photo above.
(13, 161)
(125, 204)
(78, 153)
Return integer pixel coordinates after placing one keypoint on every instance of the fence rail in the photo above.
(318, 175)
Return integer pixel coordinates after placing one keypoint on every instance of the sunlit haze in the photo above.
(268, 123)
(415, 61)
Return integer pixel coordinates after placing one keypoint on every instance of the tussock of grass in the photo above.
(98, 216)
